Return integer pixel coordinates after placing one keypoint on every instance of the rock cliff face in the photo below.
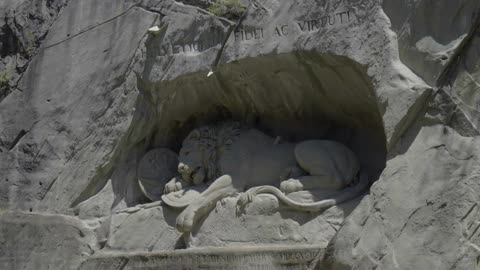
(86, 90)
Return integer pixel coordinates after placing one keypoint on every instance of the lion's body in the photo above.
(253, 158)
(238, 158)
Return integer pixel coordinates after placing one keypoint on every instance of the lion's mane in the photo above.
(213, 141)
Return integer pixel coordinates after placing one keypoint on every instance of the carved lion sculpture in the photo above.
(235, 159)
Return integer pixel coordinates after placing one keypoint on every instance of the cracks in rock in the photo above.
(123, 264)
(449, 72)
(469, 211)
(444, 146)
(416, 112)
(316, 259)
(101, 175)
(333, 227)
(39, 42)
(257, 5)
(407, 221)
(89, 29)
(50, 185)
(232, 28)
(17, 139)
(230, 31)
(117, 227)
(474, 232)
(20, 135)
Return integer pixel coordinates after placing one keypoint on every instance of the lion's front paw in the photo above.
(291, 185)
(186, 220)
(172, 186)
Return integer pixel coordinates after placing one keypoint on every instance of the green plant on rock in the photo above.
(227, 8)
(4, 83)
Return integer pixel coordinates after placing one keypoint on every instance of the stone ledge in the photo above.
(259, 257)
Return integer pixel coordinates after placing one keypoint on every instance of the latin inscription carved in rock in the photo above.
(311, 25)
(252, 33)
(289, 259)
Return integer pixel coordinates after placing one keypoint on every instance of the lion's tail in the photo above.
(345, 195)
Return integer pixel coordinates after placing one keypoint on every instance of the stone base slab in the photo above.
(261, 257)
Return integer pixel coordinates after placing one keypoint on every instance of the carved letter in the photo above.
(247, 37)
(302, 26)
(166, 49)
(341, 16)
(330, 21)
(256, 33)
(277, 32)
(177, 49)
(238, 35)
(324, 21)
(281, 31)
(195, 46)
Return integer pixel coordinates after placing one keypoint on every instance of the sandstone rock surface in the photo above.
(86, 91)
(45, 241)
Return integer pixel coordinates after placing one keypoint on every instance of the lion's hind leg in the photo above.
(203, 204)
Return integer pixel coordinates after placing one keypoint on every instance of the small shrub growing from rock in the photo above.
(4, 84)
(230, 9)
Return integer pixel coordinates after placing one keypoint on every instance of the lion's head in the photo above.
(201, 150)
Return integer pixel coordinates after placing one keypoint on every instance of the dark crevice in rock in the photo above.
(407, 222)
(123, 264)
(225, 41)
(50, 185)
(9, 42)
(17, 139)
(418, 108)
(449, 73)
(203, 4)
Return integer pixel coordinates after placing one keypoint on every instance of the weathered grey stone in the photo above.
(465, 89)
(422, 212)
(23, 26)
(391, 79)
(137, 230)
(266, 221)
(99, 205)
(89, 91)
(44, 241)
(268, 258)
(240, 159)
(429, 33)
(436, 165)
(73, 109)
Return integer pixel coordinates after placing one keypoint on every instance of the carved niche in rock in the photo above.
(228, 159)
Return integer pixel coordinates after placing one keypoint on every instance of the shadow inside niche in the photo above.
(296, 96)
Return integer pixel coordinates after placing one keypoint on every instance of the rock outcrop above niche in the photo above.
(98, 90)
(326, 28)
